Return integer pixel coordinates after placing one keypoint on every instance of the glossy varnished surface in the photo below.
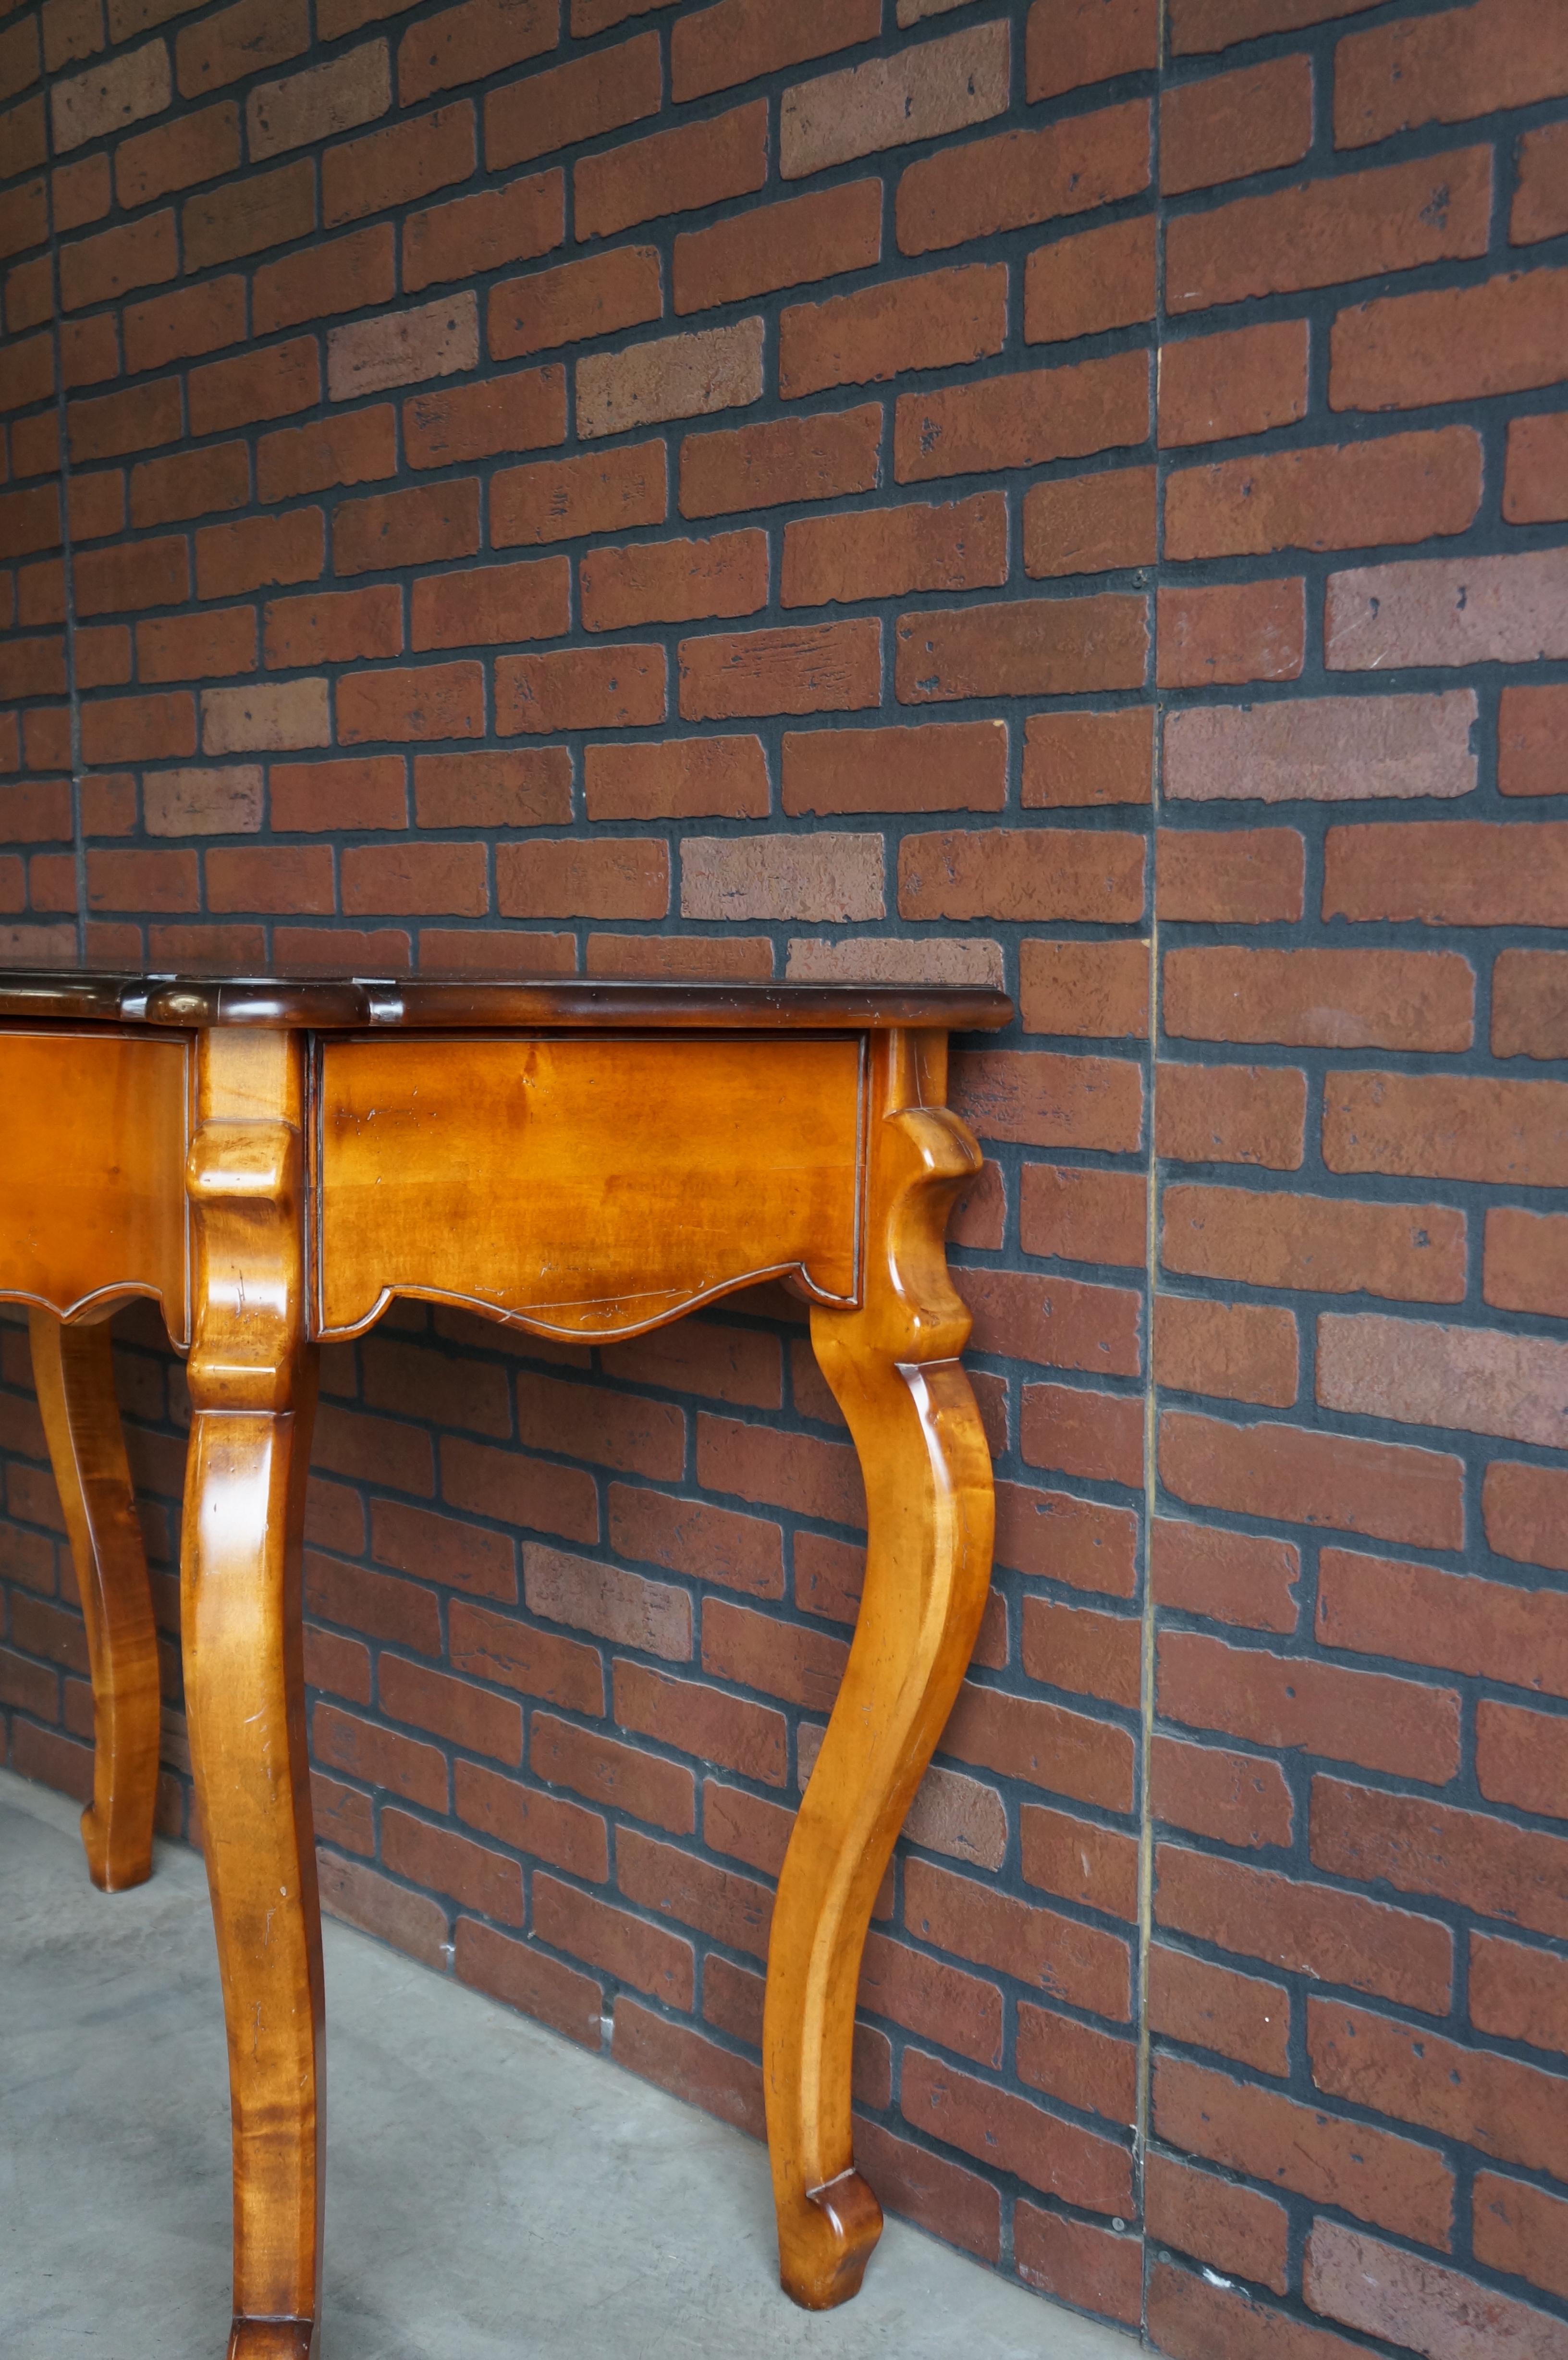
(94, 1132)
(584, 1187)
(333, 1004)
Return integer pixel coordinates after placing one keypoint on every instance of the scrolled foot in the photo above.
(273, 2339)
(114, 1868)
(826, 2241)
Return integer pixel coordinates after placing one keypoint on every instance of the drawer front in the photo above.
(94, 1132)
(585, 1186)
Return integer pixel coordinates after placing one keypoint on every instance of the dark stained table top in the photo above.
(356, 1003)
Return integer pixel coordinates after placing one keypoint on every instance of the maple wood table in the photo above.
(272, 1163)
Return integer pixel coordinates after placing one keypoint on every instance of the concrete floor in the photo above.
(492, 2190)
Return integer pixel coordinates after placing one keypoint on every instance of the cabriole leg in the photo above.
(74, 1375)
(253, 1386)
(893, 1367)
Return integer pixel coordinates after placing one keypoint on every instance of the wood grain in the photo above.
(892, 1364)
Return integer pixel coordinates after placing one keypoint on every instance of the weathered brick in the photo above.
(672, 581)
(576, 300)
(108, 97)
(1356, 225)
(918, 93)
(1488, 609)
(1382, 2289)
(789, 245)
(420, 701)
(626, 877)
(1324, 749)
(1023, 176)
(559, 500)
(672, 172)
(805, 667)
(1403, 352)
(688, 376)
(1303, 1927)
(403, 347)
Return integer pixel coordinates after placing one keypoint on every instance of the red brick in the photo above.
(937, 320)
(196, 647)
(1398, 487)
(693, 2067)
(1073, 42)
(1382, 2288)
(540, 1825)
(523, 412)
(1326, 2158)
(497, 1647)
(1002, 2129)
(190, 483)
(1078, 2063)
(1521, 2231)
(561, 498)
(191, 321)
(672, 581)
(739, 39)
(609, 1773)
(1214, 2007)
(1356, 225)
(1096, 1867)
(97, 504)
(1521, 1758)
(580, 688)
(138, 728)
(951, 2204)
(136, 419)
(334, 628)
(820, 458)
(1484, 1380)
(1085, 759)
(1465, 62)
(578, 300)
(1192, 2318)
(681, 778)
(888, 553)
(1241, 1351)
(1294, 1475)
(1533, 490)
(426, 701)
(927, 1996)
(804, 668)
(789, 245)
(438, 1546)
(1527, 1260)
(420, 525)
(259, 551)
(1245, 381)
(247, 216)
(379, 1758)
(646, 1956)
(1458, 344)
(889, 102)
(578, 100)
(392, 167)
(1448, 1126)
(523, 1978)
(531, 787)
(1238, 1798)
(358, 448)
(496, 604)
(1050, 647)
(1320, 999)
(624, 877)
(589, 1422)
(1076, 1432)
(692, 1537)
(1456, 1621)
(1487, 2101)
(1229, 632)
(1415, 1254)
(1044, 1099)
(343, 274)
(1084, 285)
(1231, 1114)
(1520, 1994)
(1421, 1846)
(1090, 524)
(1234, 123)
(1252, 876)
(429, 879)
(1079, 1214)
(103, 269)
(673, 171)
(320, 797)
(1231, 2229)
(464, 43)
(1086, 1759)
(1021, 421)
(1384, 1724)
(693, 1718)
(1022, 177)
(1540, 198)
(1447, 872)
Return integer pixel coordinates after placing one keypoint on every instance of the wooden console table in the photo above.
(272, 1163)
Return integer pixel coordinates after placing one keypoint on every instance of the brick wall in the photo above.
(685, 489)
